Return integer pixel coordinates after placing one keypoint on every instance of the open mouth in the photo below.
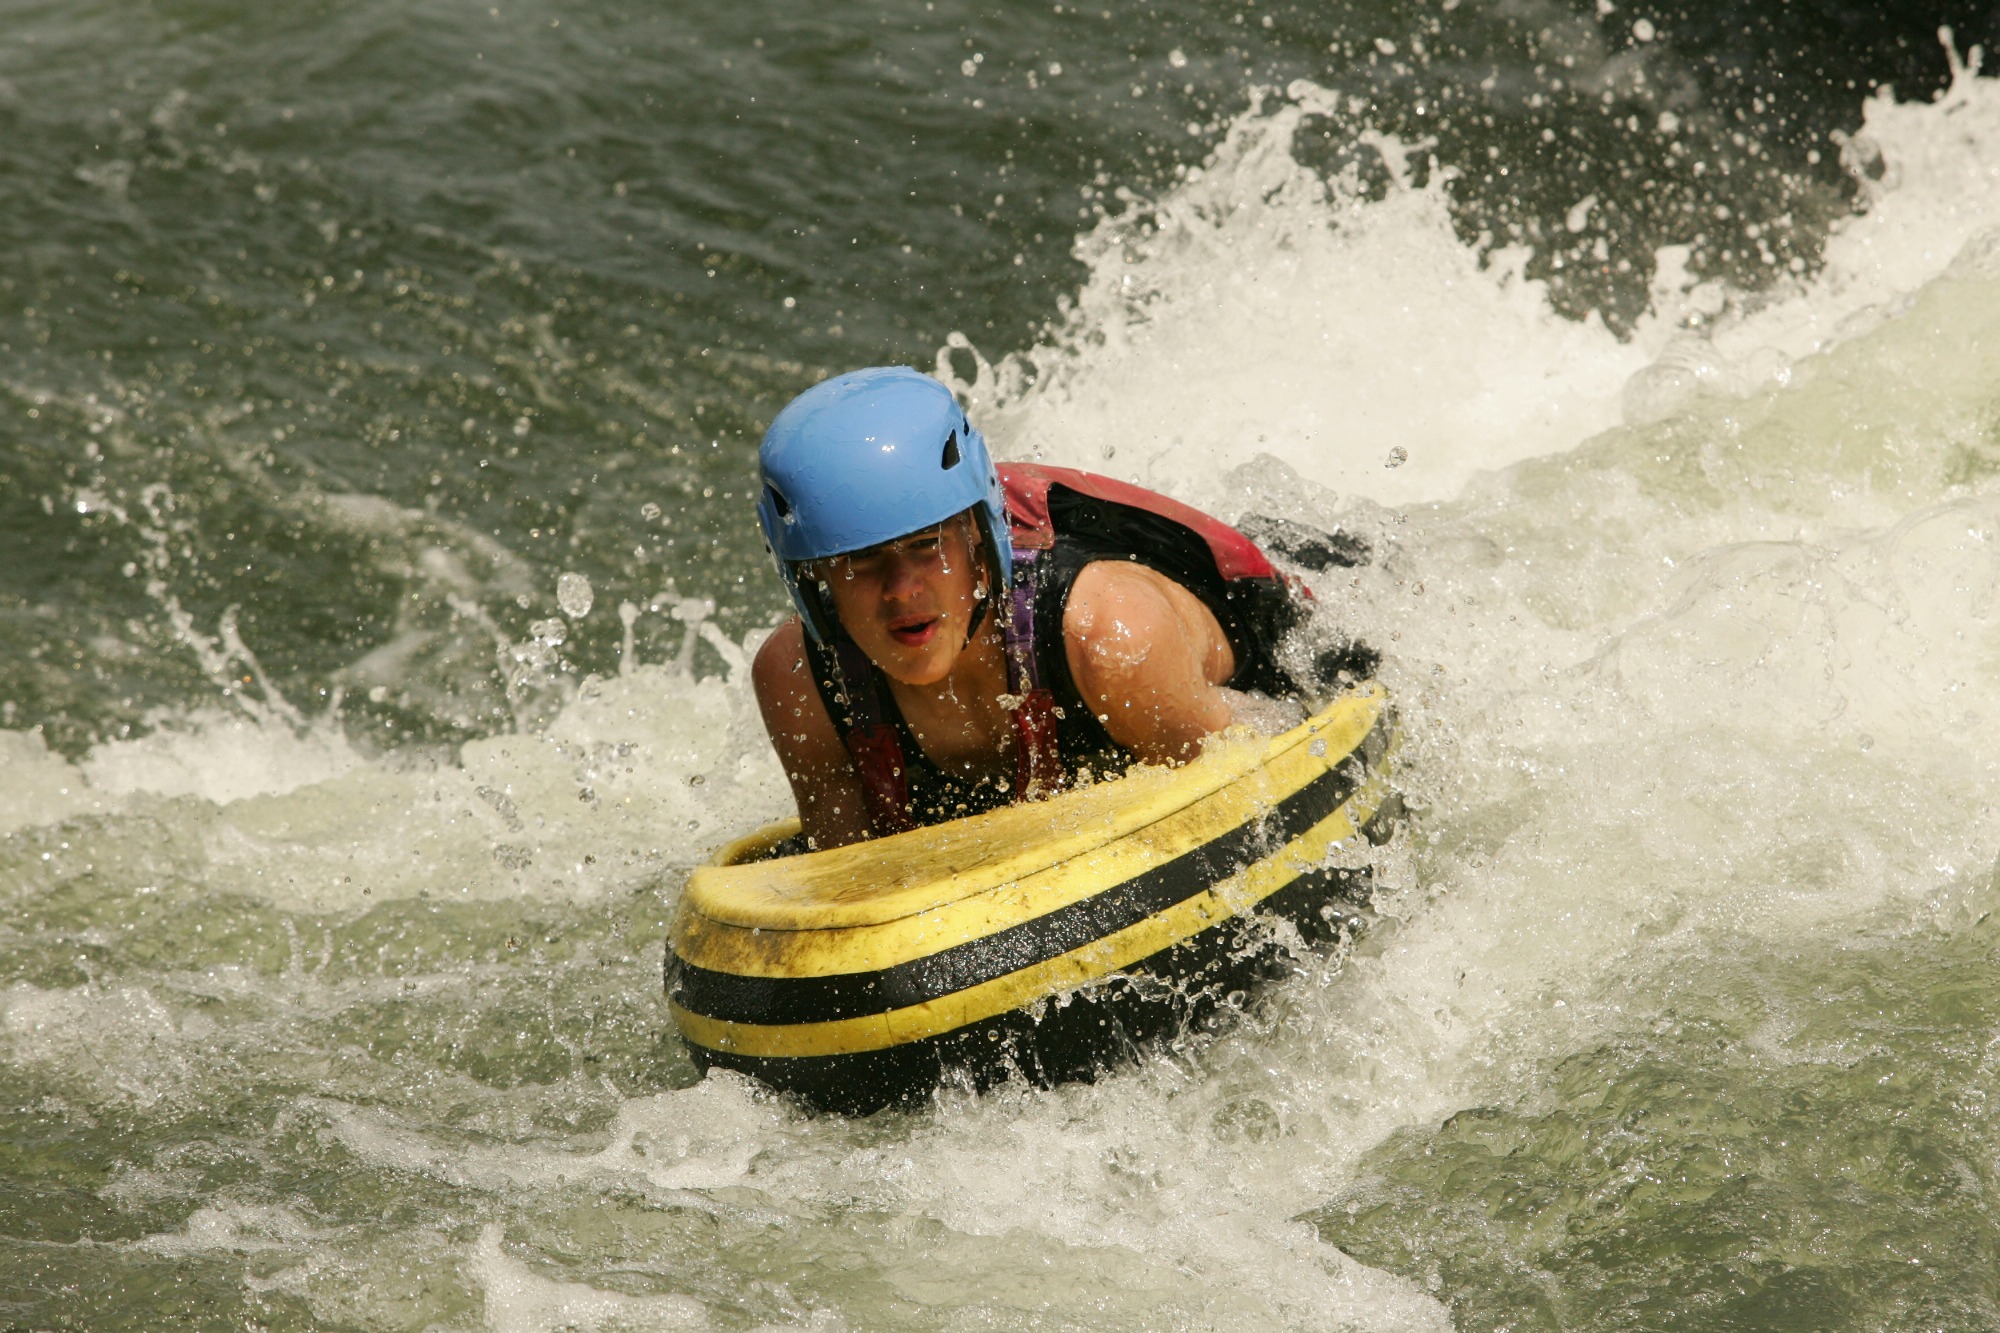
(914, 631)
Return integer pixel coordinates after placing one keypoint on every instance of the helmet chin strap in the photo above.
(982, 554)
(977, 619)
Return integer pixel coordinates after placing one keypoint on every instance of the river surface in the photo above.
(379, 390)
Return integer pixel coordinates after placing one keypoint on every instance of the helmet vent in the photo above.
(779, 503)
(950, 451)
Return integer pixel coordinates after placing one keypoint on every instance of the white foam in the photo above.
(1034, 1170)
(236, 1227)
(520, 1300)
(557, 816)
(117, 1044)
(1251, 310)
(700, 1138)
(1248, 312)
(1939, 188)
(221, 757)
(37, 787)
(634, 773)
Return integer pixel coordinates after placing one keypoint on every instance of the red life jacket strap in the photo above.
(871, 740)
(878, 757)
(1038, 770)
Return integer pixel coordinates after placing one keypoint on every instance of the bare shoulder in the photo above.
(1121, 615)
(1148, 657)
(780, 665)
(824, 783)
(794, 714)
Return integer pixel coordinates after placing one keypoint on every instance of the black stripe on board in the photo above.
(1101, 1027)
(777, 1001)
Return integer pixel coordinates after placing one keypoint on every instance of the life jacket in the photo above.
(1060, 520)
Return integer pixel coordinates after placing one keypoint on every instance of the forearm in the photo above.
(1167, 726)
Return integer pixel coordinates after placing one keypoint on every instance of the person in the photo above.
(971, 634)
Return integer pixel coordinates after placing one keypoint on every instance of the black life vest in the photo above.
(1060, 520)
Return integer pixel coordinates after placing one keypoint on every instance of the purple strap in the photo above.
(1017, 628)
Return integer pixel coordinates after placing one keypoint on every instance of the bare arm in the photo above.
(1149, 659)
(831, 803)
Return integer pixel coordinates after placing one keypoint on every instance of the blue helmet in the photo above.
(865, 458)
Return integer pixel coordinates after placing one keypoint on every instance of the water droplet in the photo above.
(574, 595)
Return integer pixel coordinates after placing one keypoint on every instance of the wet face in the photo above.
(908, 602)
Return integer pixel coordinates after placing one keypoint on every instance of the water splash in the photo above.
(1257, 307)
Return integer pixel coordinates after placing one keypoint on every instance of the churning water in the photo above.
(379, 385)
